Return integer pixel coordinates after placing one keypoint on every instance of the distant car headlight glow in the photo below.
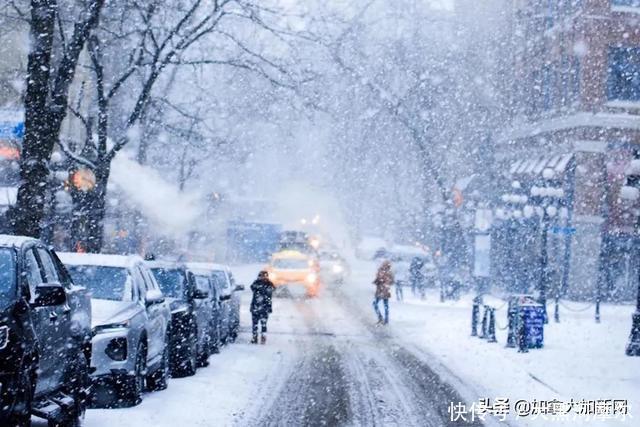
(337, 268)
(311, 278)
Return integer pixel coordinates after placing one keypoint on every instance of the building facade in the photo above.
(576, 96)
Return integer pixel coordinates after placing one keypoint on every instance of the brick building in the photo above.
(576, 97)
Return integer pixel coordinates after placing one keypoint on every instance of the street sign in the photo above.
(11, 130)
(567, 231)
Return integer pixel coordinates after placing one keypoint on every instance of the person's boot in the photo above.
(254, 340)
(263, 339)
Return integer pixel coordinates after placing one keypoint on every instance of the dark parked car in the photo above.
(191, 302)
(131, 324)
(228, 298)
(45, 336)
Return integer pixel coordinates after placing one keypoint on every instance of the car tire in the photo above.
(215, 339)
(187, 360)
(27, 387)
(158, 380)
(131, 392)
(78, 389)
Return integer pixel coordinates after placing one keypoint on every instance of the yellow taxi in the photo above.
(294, 273)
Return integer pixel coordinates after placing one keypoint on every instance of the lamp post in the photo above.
(545, 196)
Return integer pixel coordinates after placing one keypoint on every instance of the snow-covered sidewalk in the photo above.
(580, 359)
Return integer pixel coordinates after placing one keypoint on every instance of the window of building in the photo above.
(624, 74)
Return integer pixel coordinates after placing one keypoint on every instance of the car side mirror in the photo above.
(49, 294)
(153, 297)
(239, 288)
(200, 294)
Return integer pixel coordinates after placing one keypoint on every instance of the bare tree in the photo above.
(46, 99)
(131, 52)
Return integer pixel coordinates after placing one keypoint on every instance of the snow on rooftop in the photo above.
(73, 258)
(15, 241)
(209, 266)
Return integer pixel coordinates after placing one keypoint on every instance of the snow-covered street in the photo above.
(327, 363)
(324, 364)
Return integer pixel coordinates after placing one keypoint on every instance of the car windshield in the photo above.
(220, 279)
(103, 282)
(7, 275)
(171, 281)
(290, 263)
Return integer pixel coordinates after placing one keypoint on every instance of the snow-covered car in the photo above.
(192, 305)
(45, 333)
(131, 325)
(333, 267)
(407, 254)
(228, 297)
(369, 246)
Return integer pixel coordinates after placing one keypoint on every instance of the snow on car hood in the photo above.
(104, 312)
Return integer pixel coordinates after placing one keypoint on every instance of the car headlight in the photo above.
(273, 276)
(311, 278)
(112, 327)
(337, 268)
(117, 349)
(4, 337)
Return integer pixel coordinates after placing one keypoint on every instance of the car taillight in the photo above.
(117, 349)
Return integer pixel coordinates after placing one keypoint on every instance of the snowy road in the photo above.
(325, 364)
(347, 373)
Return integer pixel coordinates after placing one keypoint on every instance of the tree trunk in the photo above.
(45, 108)
(38, 140)
(97, 210)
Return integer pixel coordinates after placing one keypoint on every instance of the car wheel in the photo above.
(215, 339)
(203, 356)
(158, 380)
(187, 362)
(78, 387)
(22, 416)
(132, 389)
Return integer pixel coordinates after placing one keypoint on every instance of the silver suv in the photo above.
(131, 326)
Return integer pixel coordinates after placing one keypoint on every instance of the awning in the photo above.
(535, 166)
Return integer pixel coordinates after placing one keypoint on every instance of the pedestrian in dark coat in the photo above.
(383, 281)
(261, 307)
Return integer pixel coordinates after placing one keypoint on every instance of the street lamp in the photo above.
(545, 196)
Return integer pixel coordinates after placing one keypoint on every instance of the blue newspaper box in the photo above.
(533, 316)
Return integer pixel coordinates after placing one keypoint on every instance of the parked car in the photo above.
(45, 336)
(192, 308)
(228, 298)
(131, 326)
(369, 246)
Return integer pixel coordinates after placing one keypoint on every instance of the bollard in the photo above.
(511, 322)
(475, 313)
(485, 323)
(492, 326)
(523, 345)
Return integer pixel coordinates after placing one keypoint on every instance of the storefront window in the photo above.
(624, 74)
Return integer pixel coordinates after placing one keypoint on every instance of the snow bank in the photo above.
(168, 209)
(581, 359)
